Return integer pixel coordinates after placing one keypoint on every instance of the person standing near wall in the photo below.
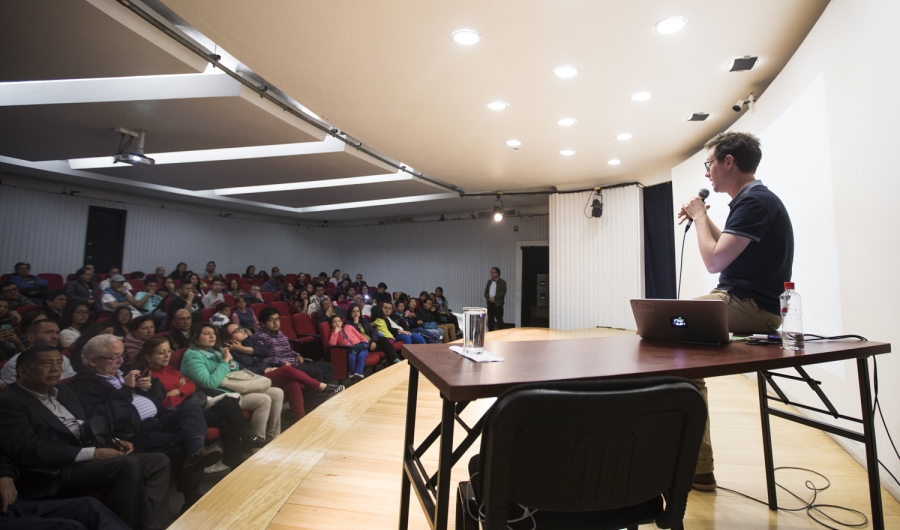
(495, 294)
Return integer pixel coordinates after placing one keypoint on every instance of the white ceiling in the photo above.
(388, 74)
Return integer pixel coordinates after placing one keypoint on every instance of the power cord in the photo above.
(681, 265)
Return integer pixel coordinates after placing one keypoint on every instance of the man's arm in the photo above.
(718, 250)
(23, 445)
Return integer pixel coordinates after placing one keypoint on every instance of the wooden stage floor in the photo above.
(339, 467)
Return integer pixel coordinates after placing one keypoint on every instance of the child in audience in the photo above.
(246, 316)
(222, 315)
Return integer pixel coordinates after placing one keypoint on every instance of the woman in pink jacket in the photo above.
(359, 347)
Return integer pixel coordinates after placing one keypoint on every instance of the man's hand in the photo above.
(127, 446)
(404, 332)
(131, 378)
(102, 453)
(692, 209)
(491, 299)
(91, 301)
(299, 359)
(270, 369)
(144, 383)
(8, 493)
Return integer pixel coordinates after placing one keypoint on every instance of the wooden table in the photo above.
(460, 381)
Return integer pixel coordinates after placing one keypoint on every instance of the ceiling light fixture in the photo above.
(614, 162)
(497, 105)
(567, 121)
(313, 184)
(698, 116)
(597, 205)
(498, 208)
(743, 64)
(624, 136)
(567, 152)
(641, 96)
(670, 25)
(513, 143)
(466, 37)
(565, 71)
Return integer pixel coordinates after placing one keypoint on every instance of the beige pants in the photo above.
(265, 421)
(449, 332)
(744, 317)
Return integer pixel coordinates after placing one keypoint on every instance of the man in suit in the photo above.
(495, 294)
(41, 431)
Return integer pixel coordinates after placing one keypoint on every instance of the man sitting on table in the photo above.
(754, 253)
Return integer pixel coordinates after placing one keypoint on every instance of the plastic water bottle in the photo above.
(791, 318)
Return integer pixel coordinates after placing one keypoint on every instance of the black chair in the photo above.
(595, 454)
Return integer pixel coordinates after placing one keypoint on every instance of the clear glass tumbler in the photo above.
(474, 320)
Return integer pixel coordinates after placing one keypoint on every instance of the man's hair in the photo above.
(138, 322)
(387, 303)
(175, 314)
(35, 326)
(743, 147)
(221, 307)
(97, 346)
(4, 285)
(19, 264)
(218, 279)
(81, 271)
(29, 357)
(138, 275)
(317, 285)
(382, 285)
(213, 262)
(267, 313)
(151, 279)
(496, 269)
(52, 294)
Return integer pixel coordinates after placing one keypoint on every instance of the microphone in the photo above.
(703, 194)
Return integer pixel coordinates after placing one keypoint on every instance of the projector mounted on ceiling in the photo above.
(136, 157)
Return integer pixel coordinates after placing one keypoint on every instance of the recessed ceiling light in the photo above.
(567, 121)
(466, 37)
(567, 152)
(497, 105)
(624, 136)
(566, 71)
(670, 25)
(698, 116)
(614, 162)
(641, 96)
(513, 143)
(743, 64)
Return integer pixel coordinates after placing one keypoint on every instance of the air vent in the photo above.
(743, 64)
(698, 116)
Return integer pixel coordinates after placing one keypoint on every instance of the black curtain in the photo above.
(535, 260)
(659, 242)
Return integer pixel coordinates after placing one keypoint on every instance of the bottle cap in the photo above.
(788, 285)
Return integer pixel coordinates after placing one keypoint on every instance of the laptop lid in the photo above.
(684, 321)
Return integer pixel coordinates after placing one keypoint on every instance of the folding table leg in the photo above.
(445, 464)
(868, 418)
(767, 440)
(408, 439)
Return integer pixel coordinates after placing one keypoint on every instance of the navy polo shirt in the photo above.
(759, 272)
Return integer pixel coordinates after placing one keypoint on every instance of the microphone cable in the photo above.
(681, 265)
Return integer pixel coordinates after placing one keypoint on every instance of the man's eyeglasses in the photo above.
(81, 312)
(274, 319)
(113, 358)
(707, 163)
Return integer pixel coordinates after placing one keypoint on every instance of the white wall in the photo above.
(596, 265)
(828, 127)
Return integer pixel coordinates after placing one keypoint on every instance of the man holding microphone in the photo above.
(753, 253)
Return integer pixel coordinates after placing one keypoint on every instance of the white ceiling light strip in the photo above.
(378, 202)
(290, 186)
(329, 145)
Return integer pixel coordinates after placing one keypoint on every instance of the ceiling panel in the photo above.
(82, 130)
(250, 172)
(342, 194)
(453, 208)
(71, 39)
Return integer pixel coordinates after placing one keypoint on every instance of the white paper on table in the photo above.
(483, 357)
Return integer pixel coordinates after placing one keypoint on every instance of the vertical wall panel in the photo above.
(596, 265)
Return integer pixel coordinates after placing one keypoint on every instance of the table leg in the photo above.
(767, 440)
(445, 464)
(868, 418)
(411, 399)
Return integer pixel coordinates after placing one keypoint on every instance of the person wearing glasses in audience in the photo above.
(280, 352)
(12, 295)
(75, 319)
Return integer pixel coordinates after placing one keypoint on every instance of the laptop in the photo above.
(681, 321)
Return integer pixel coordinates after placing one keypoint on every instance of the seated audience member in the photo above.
(263, 274)
(104, 285)
(289, 295)
(97, 328)
(194, 279)
(345, 276)
(316, 300)
(172, 389)
(310, 289)
(180, 335)
(255, 296)
(180, 272)
(325, 313)
(10, 343)
(179, 433)
(141, 330)
(250, 273)
(246, 317)
(430, 317)
(117, 295)
(75, 319)
(42, 332)
(342, 302)
(151, 305)
(120, 319)
(81, 289)
(323, 278)
(234, 289)
(29, 318)
(210, 273)
(52, 460)
(186, 299)
(397, 325)
(159, 274)
(137, 275)
(168, 291)
(359, 283)
(342, 335)
(222, 315)
(443, 309)
(215, 294)
(28, 284)
(301, 302)
(12, 295)
(276, 273)
(432, 333)
(376, 341)
(272, 285)
(382, 295)
(343, 287)
(379, 324)
(207, 364)
(335, 279)
(280, 352)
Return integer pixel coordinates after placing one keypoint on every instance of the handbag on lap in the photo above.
(245, 382)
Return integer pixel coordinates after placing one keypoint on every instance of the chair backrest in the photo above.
(4, 278)
(588, 446)
(54, 281)
(290, 278)
(22, 309)
(206, 313)
(307, 278)
(287, 327)
(268, 297)
(70, 277)
(176, 358)
(325, 333)
(229, 299)
(283, 310)
(303, 324)
(258, 281)
(256, 308)
(138, 285)
(232, 276)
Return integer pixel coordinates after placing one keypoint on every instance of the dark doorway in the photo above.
(659, 242)
(105, 243)
(535, 310)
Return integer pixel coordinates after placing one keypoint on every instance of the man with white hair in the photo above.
(179, 433)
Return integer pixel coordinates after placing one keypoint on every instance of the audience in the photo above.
(215, 294)
(246, 316)
(358, 346)
(250, 273)
(186, 299)
(29, 285)
(301, 302)
(14, 298)
(222, 315)
(316, 300)
(272, 285)
(234, 288)
(41, 332)
(82, 288)
(397, 327)
(120, 320)
(10, 344)
(97, 328)
(180, 272)
(117, 295)
(375, 340)
(105, 284)
(179, 337)
(431, 333)
(255, 296)
(141, 330)
(55, 304)
(76, 318)
(210, 272)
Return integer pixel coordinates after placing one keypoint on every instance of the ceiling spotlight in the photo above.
(737, 107)
(497, 105)
(743, 64)
(513, 143)
(565, 71)
(567, 121)
(466, 37)
(641, 96)
(670, 25)
(567, 152)
(614, 162)
(623, 136)
(498, 208)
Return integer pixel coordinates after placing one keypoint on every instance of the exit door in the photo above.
(105, 242)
